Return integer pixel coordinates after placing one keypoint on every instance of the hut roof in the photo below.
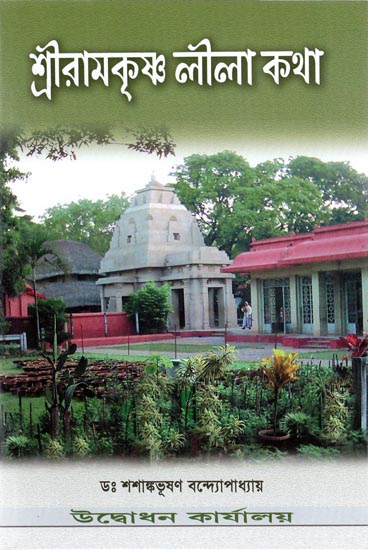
(78, 259)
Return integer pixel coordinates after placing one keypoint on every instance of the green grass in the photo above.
(11, 405)
(110, 357)
(7, 366)
(181, 348)
(322, 354)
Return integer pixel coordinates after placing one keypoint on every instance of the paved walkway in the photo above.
(245, 351)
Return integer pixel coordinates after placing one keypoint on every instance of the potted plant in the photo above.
(358, 347)
(279, 370)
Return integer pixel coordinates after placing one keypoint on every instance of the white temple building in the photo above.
(157, 239)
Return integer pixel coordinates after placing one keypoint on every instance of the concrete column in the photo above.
(211, 312)
(119, 303)
(112, 304)
(364, 275)
(294, 305)
(316, 304)
(338, 302)
(203, 297)
(256, 303)
(102, 298)
(187, 305)
(230, 306)
(322, 305)
(173, 317)
(221, 307)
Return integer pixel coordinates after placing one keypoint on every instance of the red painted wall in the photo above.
(97, 325)
(17, 306)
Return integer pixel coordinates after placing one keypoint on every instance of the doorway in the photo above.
(177, 300)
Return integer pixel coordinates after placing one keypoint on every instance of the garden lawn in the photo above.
(327, 354)
(7, 366)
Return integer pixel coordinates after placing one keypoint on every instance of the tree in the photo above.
(234, 202)
(63, 141)
(152, 303)
(343, 189)
(91, 222)
(11, 263)
(47, 311)
(33, 248)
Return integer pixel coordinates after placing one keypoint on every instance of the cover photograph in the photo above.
(184, 274)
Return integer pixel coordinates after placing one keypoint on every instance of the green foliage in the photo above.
(299, 424)
(11, 262)
(63, 141)
(4, 324)
(81, 447)
(158, 415)
(234, 202)
(337, 416)
(153, 306)
(18, 446)
(215, 362)
(257, 454)
(343, 189)
(54, 448)
(156, 140)
(215, 428)
(46, 310)
(87, 221)
(317, 453)
(104, 446)
(172, 441)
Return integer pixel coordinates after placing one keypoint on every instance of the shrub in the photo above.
(18, 446)
(317, 453)
(47, 309)
(54, 449)
(152, 303)
(299, 424)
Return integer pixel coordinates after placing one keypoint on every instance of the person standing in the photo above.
(247, 316)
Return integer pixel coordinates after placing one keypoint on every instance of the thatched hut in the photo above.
(77, 283)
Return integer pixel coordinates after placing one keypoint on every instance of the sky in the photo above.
(102, 171)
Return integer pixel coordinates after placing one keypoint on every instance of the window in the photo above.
(129, 239)
(176, 236)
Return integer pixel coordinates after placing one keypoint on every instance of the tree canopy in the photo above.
(91, 222)
(11, 262)
(234, 202)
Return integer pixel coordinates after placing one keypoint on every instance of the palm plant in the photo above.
(215, 362)
(34, 248)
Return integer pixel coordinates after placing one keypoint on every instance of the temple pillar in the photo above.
(203, 299)
(255, 295)
(229, 305)
(211, 309)
(187, 304)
